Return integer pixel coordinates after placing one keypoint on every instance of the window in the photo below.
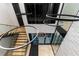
(39, 11)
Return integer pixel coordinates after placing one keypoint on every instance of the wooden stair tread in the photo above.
(21, 38)
(22, 35)
(18, 45)
(21, 41)
(20, 49)
(19, 53)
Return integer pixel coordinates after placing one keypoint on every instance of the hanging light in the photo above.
(51, 18)
(27, 43)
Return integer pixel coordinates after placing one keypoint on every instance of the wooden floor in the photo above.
(45, 50)
(55, 48)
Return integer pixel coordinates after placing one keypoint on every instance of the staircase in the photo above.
(21, 39)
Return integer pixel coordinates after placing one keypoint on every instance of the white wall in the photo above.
(5, 42)
(72, 9)
(7, 16)
(69, 46)
(42, 28)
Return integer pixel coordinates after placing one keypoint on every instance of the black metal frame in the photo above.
(17, 10)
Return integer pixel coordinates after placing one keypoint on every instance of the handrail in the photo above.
(49, 24)
(54, 18)
(23, 44)
(50, 16)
